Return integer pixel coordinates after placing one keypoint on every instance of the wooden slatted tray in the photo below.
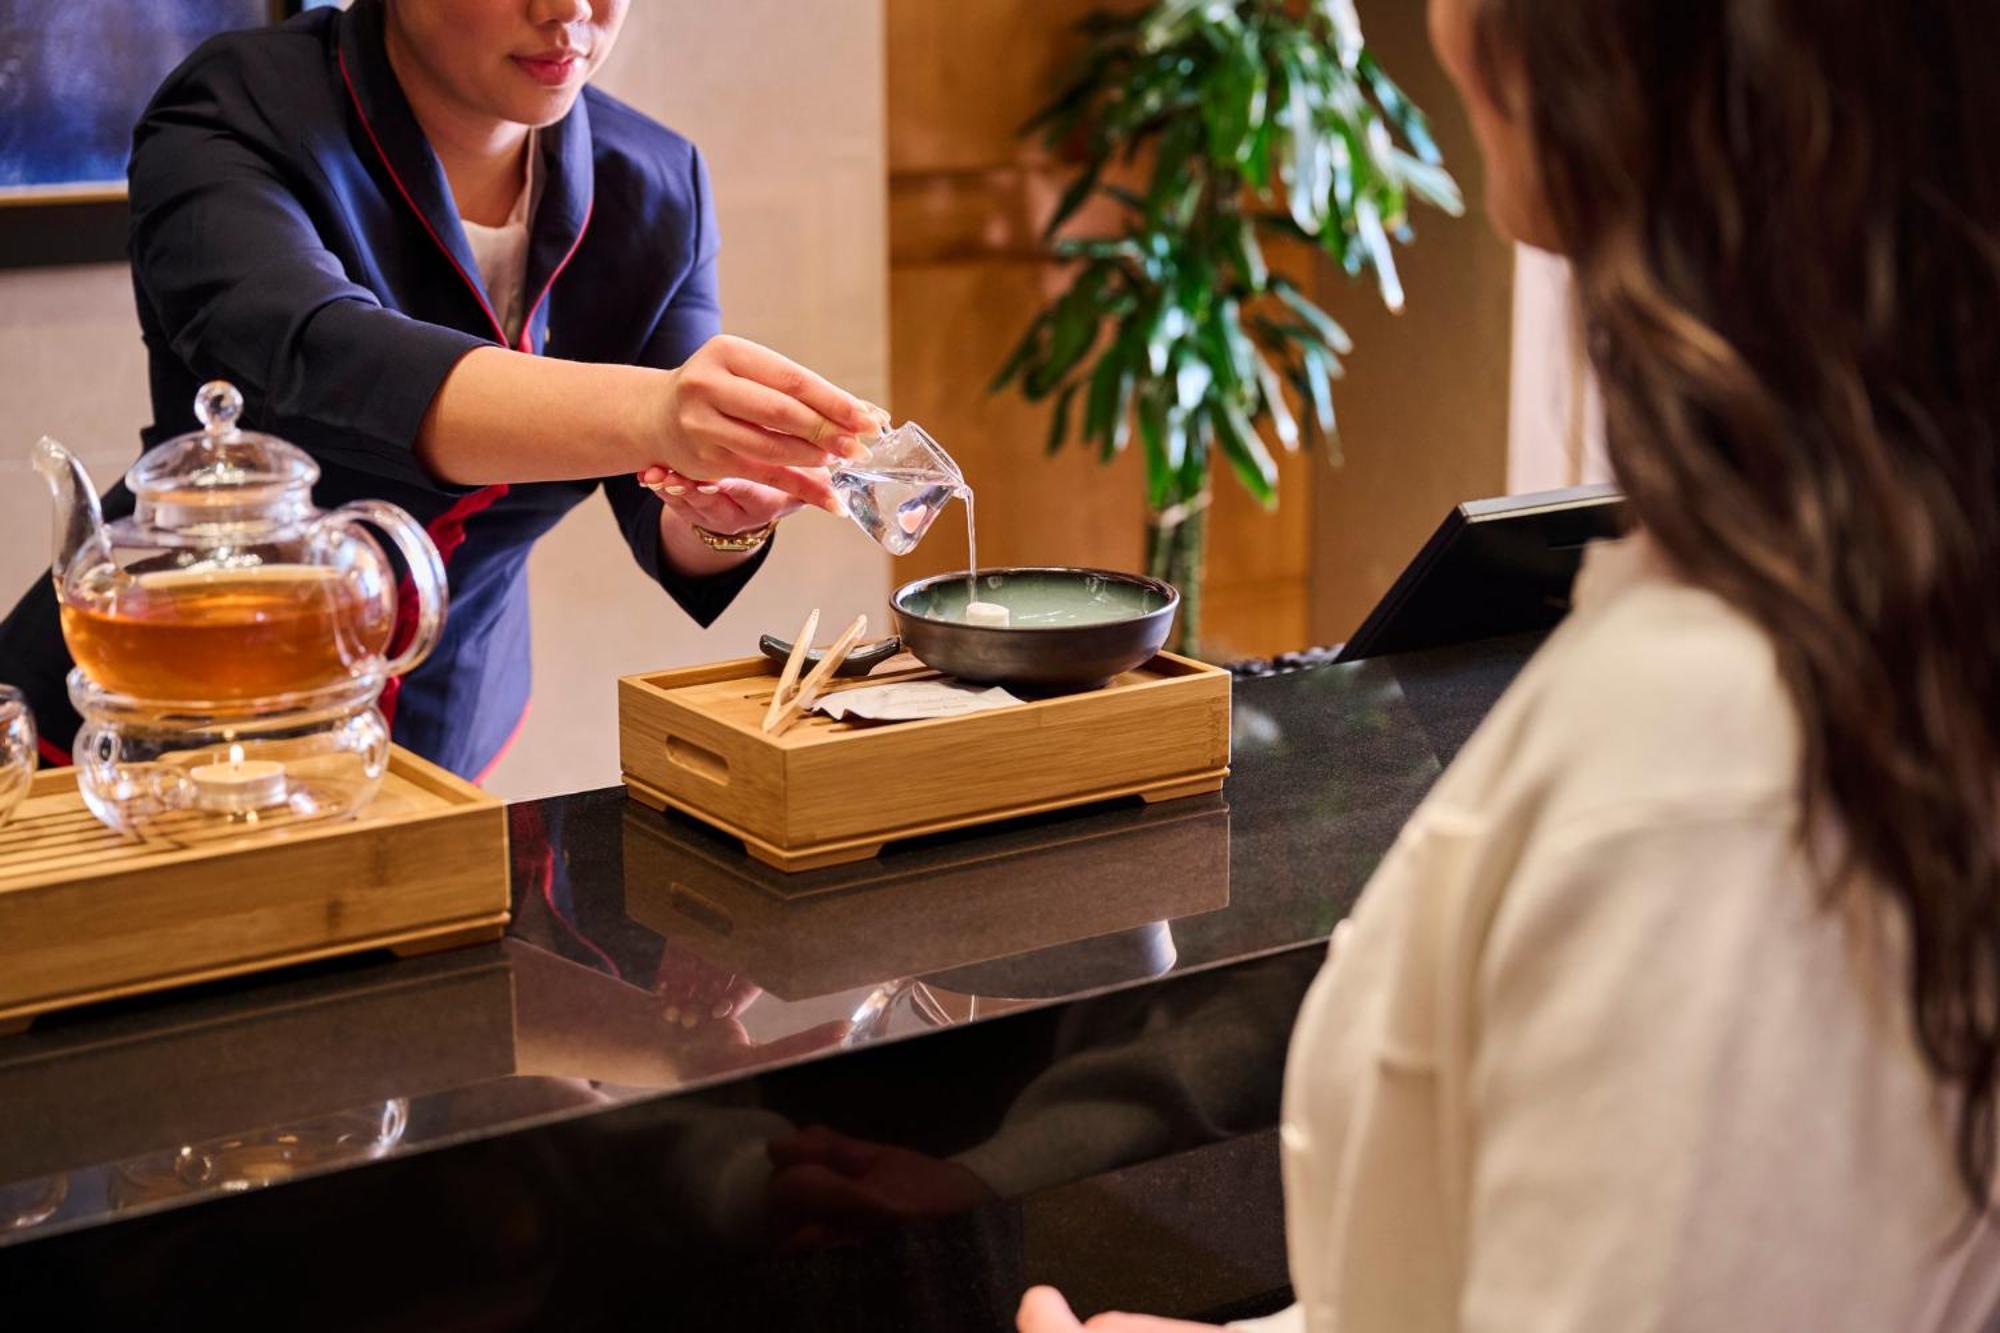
(89, 914)
(827, 792)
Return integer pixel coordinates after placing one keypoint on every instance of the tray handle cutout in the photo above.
(698, 760)
(709, 915)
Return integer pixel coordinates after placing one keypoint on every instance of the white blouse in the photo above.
(1593, 1056)
(502, 253)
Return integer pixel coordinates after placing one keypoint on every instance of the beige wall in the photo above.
(70, 366)
(785, 101)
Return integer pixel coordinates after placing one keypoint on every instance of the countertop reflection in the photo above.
(649, 958)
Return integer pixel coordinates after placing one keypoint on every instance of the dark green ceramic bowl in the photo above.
(1072, 628)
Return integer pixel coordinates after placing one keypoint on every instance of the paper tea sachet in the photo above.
(913, 700)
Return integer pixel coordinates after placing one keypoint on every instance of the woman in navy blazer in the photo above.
(305, 200)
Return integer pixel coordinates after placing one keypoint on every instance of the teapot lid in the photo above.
(221, 466)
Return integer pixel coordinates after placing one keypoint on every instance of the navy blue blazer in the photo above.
(293, 233)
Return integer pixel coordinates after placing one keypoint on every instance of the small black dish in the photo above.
(863, 659)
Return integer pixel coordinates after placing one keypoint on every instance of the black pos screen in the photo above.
(1493, 567)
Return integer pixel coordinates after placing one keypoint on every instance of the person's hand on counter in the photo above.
(1043, 1310)
(831, 1189)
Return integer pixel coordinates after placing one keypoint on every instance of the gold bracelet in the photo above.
(735, 542)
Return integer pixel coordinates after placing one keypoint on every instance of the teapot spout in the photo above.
(79, 519)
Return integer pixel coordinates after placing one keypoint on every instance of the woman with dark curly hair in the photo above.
(1677, 1005)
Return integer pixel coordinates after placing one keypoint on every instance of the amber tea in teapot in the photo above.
(228, 635)
(226, 587)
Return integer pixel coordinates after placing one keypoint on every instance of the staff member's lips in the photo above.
(551, 68)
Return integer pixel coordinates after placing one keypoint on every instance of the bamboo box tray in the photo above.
(826, 793)
(89, 914)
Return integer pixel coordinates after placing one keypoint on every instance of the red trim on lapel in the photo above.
(499, 332)
(528, 324)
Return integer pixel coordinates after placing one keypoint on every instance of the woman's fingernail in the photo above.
(710, 490)
(677, 490)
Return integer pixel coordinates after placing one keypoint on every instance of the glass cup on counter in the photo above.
(17, 750)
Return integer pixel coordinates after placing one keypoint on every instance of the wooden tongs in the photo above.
(793, 696)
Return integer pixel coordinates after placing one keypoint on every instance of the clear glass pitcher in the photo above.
(897, 492)
(227, 589)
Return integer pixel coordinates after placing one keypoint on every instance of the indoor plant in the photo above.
(1215, 125)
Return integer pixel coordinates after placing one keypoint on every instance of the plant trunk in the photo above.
(1176, 545)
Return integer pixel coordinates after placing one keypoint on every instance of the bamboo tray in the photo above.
(919, 912)
(826, 793)
(87, 914)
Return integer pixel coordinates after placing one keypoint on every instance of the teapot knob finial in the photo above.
(217, 404)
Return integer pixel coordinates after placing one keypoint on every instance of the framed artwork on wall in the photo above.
(74, 78)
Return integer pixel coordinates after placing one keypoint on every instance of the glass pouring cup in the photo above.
(17, 749)
(899, 489)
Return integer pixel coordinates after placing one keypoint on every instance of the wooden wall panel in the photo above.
(952, 326)
(964, 74)
(967, 201)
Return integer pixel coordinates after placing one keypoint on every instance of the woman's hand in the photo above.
(735, 409)
(725, 507)
(1043, 1310)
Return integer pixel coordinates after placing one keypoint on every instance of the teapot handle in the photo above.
(426, 573)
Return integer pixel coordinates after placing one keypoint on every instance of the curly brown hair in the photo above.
(1784, 218)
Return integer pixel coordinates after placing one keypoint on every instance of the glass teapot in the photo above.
(226, 589)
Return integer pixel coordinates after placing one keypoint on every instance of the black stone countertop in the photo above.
(1054, 1050)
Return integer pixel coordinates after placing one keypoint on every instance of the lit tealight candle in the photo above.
(239, 786)
(990, 614)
